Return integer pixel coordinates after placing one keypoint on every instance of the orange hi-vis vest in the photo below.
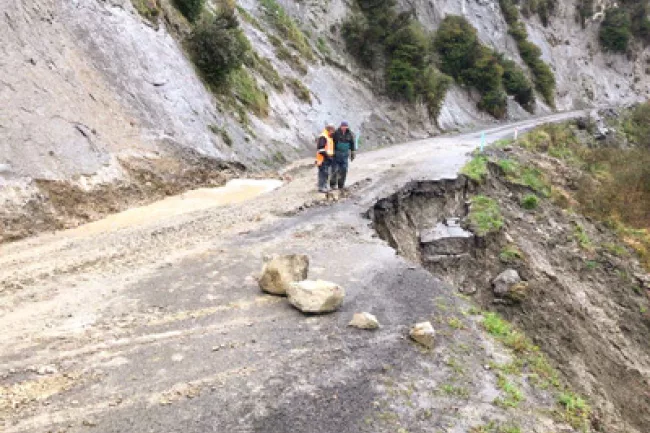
(329, 147)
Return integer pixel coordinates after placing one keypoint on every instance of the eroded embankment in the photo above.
(580, 299)
(47, 205)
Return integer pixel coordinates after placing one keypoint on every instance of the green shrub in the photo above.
(476, 168)
(457, 44)
(575, 410)
(432, 86)
(531, 54)
(516, 83)
(190, 8)
(485, 216)
(377, 33)
(218, 47)
(615, 31)
(510, 254)
(246, 90)
(530, 202)
(585, 10)
(494, 102)
(263, 66)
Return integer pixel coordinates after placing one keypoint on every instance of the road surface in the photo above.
(156, 324)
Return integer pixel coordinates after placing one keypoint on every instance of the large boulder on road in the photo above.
(279, 272)
(316, 296)
(504, 281)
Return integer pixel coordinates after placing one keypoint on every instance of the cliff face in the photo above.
(90, 86)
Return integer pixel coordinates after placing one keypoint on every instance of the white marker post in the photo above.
(482, 141)
(516, 133)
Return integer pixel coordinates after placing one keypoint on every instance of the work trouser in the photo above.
(324, 173)
(340, 169)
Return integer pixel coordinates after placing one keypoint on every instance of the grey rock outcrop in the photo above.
(505, 281)
(364, 321)
(279, 272)
(316, 296)
(423, 333)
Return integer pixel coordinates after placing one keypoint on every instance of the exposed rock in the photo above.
(279, 272)
(504, 281)
(47, 369)
(447, 238)
(316, 296)
(423, 333)
(364, 321)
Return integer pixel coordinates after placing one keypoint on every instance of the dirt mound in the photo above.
(584, 303)
(54, 205)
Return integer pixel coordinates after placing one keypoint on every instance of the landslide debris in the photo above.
(572, 283)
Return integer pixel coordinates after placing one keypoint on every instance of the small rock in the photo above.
(423, 333)
(364, 321)
(504, 281)
(316, 296)
(279, 272)
(46, 369)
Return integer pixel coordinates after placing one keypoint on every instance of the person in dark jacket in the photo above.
(344, 151)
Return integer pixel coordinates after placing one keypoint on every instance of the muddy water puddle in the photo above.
(235, 191)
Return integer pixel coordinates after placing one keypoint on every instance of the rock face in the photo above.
(505, 281)
(279, 272)
(364, 321)
(316, 296)
(423, 333)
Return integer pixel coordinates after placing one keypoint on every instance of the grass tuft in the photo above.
(529, 202)
(485, 216)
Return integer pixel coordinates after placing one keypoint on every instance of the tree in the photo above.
(218, 46)
(615, 30)
(190, 8)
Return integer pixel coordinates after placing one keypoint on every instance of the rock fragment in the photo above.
(279, 272)
(364, 321)
(423, 333)
(504, 281)
(315, 296)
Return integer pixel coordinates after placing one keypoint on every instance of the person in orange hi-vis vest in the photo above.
(325, 156)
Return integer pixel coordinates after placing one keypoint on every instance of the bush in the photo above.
(190, 8)
(530, 202)
(516, 83)
(615, 32)
(379, 33)
(433, 86)
(494, 102)
(476, 169)
(457, 44)
(218, 47)
(246, 90)
(485, 216)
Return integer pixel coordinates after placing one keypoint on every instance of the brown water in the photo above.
(235, 191)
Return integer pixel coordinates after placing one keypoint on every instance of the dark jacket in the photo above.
(344, 141)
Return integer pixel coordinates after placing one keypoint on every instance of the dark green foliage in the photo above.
(463, 57)
(530, 53)
(585, 10)
(218, 47)
(433, 86)
(517, 84)
(494, 102)
(190, 8)
(287, 27)
(457, 44)
(378, 35)
(615, 30)
(510, 11)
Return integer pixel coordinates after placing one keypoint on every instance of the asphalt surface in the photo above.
(160, 326)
